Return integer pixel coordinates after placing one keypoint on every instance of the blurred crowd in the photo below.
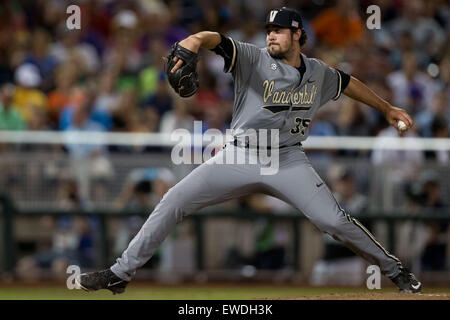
(109, 75)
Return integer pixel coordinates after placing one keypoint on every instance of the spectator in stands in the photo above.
(434, 256)
(424, 242)
(123, 53)
(207, 95)
(406, 44)
(412, 235)
(88, 161)
(345, 190)
(251, 31)
(175, 30)
(65, 77)
(38, 120)
(439, 109)
(10, 117)
(321, 126)
(393, 167)
(150, 120)
(151, 76)
(72, 241)
(347, 25)
(95, 25)
(84, 95)
(108, 97)
(6, 41)
(18, 47)
(128, 117)
(144, 188)
(412, 89)
(28, 98)
(444, 77)
(68, 48)
(427, 33)
(161, 101)
(351, 119)
(270, 238)
(40, 56)
(179, 117)
(439, 129)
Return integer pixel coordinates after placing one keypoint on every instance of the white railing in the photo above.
(168, 140)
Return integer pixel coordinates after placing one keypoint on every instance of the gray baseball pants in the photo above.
(296, 183)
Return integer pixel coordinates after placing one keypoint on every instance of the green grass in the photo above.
(188, 292)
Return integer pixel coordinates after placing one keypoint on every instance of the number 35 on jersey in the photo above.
(300, 126)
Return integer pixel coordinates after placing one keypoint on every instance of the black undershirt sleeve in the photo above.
(225, 50)
(345, 79)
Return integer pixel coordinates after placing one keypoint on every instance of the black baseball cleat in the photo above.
(407, 282)
(104, 279)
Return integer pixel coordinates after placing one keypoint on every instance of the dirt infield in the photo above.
(373, 296)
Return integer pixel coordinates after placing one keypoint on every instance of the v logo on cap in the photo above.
(273, 14)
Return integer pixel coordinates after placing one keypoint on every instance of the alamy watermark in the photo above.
(74, 20)
(374, 279)
(74, 271)
(374, 20)
(206, 147)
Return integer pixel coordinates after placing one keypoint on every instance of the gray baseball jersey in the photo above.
(269, 95)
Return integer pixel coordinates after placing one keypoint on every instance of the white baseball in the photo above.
(401, 125)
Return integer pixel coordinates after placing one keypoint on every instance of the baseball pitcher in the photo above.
(278, 88)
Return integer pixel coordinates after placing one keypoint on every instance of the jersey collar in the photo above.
(304, 69)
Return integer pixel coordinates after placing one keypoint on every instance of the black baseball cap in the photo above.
(285, 18)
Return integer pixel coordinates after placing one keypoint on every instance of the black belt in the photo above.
(236, 144)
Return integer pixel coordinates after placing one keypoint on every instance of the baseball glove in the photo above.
(185, 79)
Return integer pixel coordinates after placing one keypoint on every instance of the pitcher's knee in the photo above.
(334, 225)
(173, 202)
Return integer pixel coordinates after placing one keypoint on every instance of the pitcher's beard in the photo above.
(277, 54)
